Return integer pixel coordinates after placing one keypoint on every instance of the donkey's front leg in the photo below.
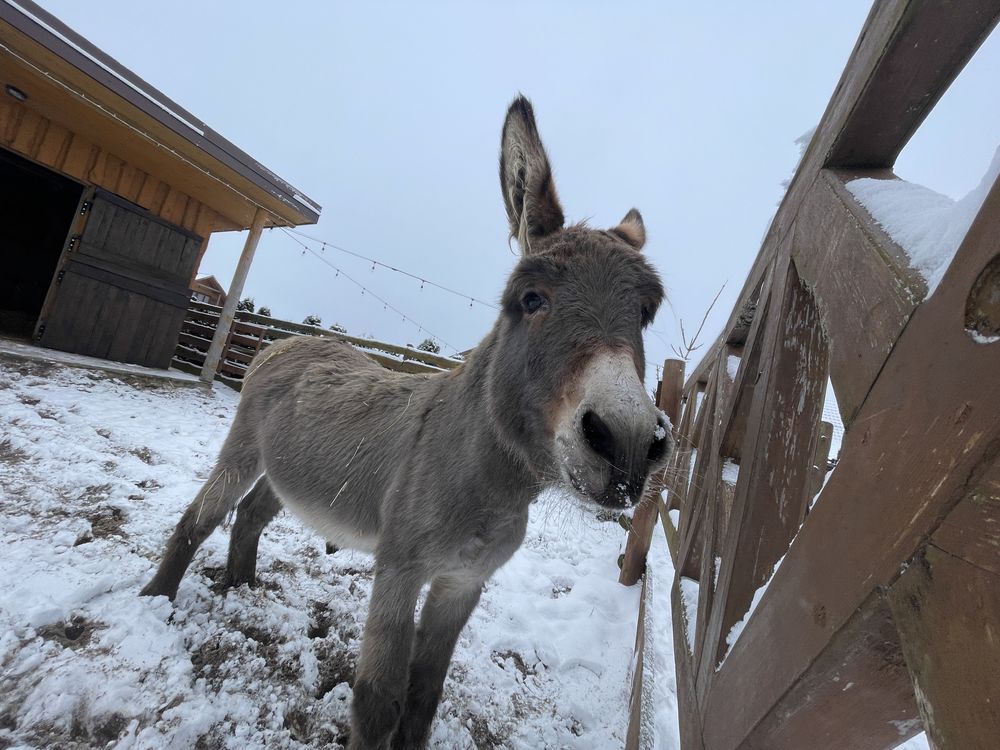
(449, 604)
(380, 685)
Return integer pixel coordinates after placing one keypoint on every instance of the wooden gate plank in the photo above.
(926, 434)
(947, 607)
(862, 674)
(776, 458)
(863, 284)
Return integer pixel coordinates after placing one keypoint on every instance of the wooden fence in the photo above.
(857, 613)
(251, 333)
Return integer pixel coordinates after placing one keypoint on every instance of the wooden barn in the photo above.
(109, 193)
(207, 289)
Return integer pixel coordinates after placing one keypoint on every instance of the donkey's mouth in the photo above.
(617, 493)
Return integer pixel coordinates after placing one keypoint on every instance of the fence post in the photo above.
(646, 512)
(221, 336)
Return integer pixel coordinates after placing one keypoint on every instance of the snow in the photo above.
(831, 414)
(737, 630)
(732, 366)
(918, 742)
(659, 698)
(689, 598)
(928, 226)
(24, 350)
(691, 468)
(980, 338)
(730, 472)
(95, 470)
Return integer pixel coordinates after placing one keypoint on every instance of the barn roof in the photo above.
(71, 81)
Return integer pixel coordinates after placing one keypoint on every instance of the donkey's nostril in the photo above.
(661, 441)
(598, 436)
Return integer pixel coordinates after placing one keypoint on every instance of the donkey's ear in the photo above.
(632, 230)
(529, 193)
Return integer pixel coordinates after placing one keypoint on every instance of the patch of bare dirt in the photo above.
(144, 454)
(500, 659)
(11, 455)
(73, 634)
(307, 724)
(336, 665)
(107, 521)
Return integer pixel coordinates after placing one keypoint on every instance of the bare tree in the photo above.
(688, 346)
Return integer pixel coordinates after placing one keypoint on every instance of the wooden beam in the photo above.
(947, 606)
(864, 286)
(840, 141)
(644, 519)
(688, 715)
(857, 694)
(215, 351)
(920, 47)
(778, 449)
(927, 432)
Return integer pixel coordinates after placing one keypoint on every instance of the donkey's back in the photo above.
(318, 431)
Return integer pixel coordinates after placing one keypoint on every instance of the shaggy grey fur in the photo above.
(435, 473)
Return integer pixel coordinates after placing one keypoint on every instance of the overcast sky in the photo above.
(389, 116)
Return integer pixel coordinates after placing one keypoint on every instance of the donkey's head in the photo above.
(566, 372)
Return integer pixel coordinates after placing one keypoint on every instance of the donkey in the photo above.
(435, 473)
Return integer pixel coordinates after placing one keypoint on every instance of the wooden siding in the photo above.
(34, 137)
(121, 291)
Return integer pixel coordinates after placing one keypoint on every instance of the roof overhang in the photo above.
(70, 81)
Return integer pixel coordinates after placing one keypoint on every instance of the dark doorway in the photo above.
(37, 207)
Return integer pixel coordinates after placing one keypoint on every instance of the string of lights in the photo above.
(375, 262)
(365, 290)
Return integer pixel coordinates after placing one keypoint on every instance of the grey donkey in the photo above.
(435, 473)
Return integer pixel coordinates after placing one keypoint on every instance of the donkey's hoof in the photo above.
(376, 713)
(154, 589)
(232, 582)
(237, 575)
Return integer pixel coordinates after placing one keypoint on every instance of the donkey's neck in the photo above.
(467, 391)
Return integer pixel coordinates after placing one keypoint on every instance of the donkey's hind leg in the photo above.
(256, 511)
(236, 472)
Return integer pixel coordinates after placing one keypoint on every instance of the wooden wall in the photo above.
(27, 133)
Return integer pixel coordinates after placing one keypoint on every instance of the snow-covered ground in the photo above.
(94, 472)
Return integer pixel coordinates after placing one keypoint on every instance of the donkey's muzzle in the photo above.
(628, 450)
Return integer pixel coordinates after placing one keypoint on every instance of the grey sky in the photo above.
(389, 114)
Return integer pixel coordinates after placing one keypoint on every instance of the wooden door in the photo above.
(121, 291)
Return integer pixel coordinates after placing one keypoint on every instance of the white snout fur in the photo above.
(610, 387)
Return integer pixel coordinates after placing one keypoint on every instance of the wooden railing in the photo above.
(857, 613)
(251, 332)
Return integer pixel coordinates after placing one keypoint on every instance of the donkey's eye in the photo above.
(533, 302)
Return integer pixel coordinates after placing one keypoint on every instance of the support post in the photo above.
(215, 351)
(644, 519)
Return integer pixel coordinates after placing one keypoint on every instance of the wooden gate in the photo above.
(121, 289)
(856, 613)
